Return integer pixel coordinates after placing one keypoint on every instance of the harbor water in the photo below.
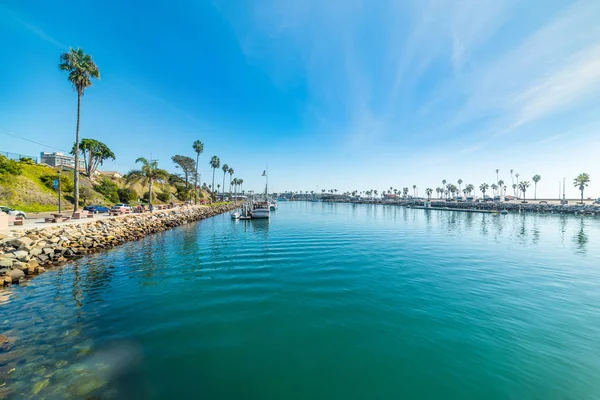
(322, 301)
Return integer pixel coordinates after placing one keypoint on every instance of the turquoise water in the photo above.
(325, 301)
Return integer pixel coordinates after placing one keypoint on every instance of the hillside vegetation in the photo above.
(29, 187)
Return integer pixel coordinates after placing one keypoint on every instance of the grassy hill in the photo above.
(27, 186)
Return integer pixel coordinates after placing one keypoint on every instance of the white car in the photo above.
(121, 208)
(12, 211)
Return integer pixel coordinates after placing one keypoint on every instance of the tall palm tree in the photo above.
(147, 175)
(484, 187)
(497, 170)
(198, 148)
(231, 172)
(523, 186)
(581, 182)
(535, 179)
(460, 181)
(428, 192)
(514, 186)
(511, 176)
(414, 190)
(214, 164)
(241, 183)
(517, 176)
(501, 186)
(81, 68)
(470, 188)
(494, 187)
(225, 171)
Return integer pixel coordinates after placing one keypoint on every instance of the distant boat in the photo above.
(235, 215)
(282, 199)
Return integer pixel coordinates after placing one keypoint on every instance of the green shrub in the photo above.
(9, 167)
(66, 182)
(127, 195)
(27, 160)
(163, 196)
(108, 189)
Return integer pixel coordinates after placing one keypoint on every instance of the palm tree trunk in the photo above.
(212, 188)
(196, 180)
(224, 173)
(582, 195)
(150, 194)
(76, 169)
(535, 191)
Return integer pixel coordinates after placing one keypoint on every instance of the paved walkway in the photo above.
(36, 220)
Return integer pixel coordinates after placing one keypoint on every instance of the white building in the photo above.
(58, 159)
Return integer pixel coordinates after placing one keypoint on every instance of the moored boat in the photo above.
(260, 209)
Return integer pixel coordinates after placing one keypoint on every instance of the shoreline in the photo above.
(514, 207)
(30, 252)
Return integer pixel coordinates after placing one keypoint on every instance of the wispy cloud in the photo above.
(395, 69)
(36, 30)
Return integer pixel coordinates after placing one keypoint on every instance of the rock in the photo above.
(33, 263)
(21, 255)
(21, 265)
(4, 271)
(6, 280)
(16, 275)
(35, 251)
(22, 242)
(39, 270)
(48, 250)
(6, 262)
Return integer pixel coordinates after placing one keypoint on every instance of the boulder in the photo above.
(16, 275)
(35, 251)
(21, 255)
(22, 242)
(6, 262)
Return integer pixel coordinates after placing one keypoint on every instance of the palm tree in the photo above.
(147, 175)
(82, 69)
(241, 183)
(225, 171)
(511, 176)
(581, 182)
(405, 192)
(535, 179)
(514, 186)
(494, 187)
(517, 176)
(231, 172)
(414, 190)
(483, 188)
(214, 164)
(497, 170)
(523, 186)
(428, 192)
(198, 148)
(500, 186)
(460, 181)
(470, 188)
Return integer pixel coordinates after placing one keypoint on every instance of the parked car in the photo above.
(12, 211)
(597, 201)
(544, 202)
(121, 207)
(97, 208)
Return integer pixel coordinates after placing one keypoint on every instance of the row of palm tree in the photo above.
(449, 190)
(81, 70)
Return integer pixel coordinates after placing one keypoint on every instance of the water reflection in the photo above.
(581, 238)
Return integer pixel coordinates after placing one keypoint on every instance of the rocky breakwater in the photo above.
(31, 252)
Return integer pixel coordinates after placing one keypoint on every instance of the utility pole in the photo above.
(59, 194)
(564, 200)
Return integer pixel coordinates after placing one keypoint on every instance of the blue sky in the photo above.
(337, 94)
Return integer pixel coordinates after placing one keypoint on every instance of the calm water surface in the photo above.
(324, 301)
